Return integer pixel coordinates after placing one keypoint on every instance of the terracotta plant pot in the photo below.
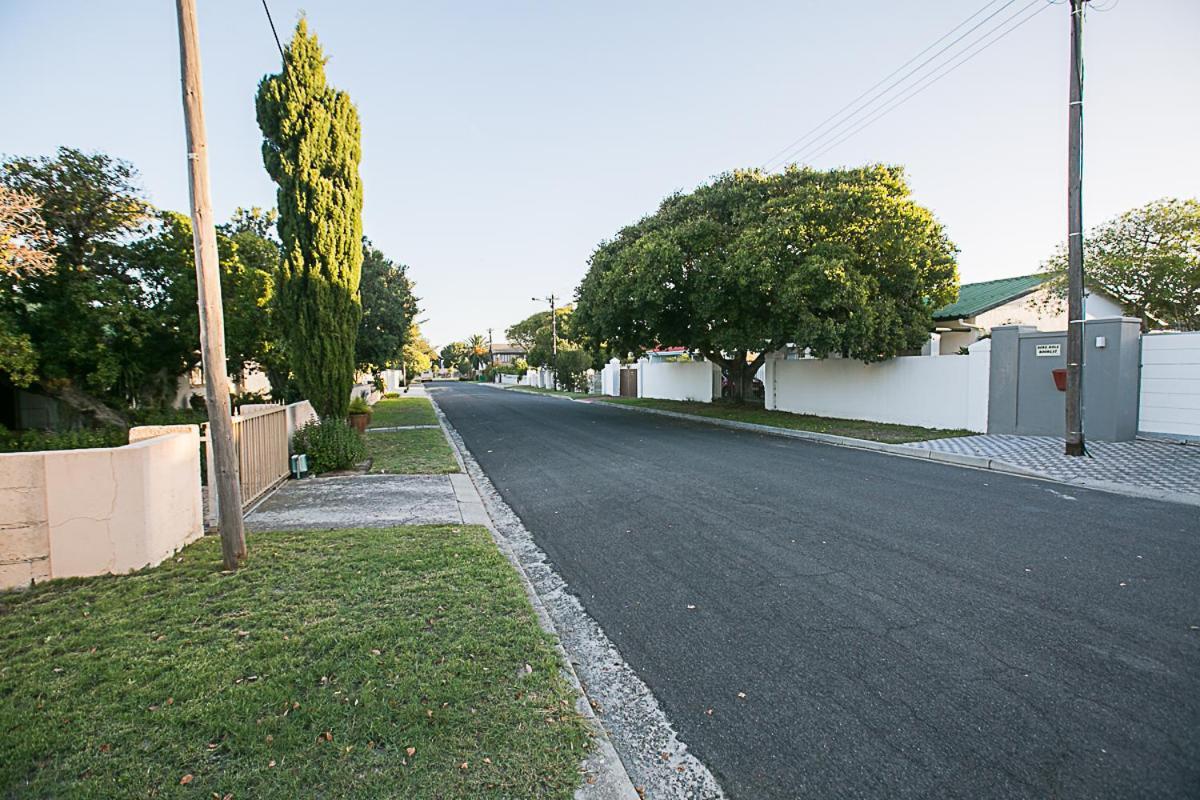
(359, 422)
(1060, 379)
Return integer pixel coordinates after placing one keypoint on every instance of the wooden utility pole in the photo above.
(1075, 310)
(208, 294)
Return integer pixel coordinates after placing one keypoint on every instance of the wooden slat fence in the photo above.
(260, 436)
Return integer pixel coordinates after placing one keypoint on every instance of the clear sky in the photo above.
(503, 140)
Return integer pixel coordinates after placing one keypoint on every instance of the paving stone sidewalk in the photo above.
(1144, 466)
(368, 501)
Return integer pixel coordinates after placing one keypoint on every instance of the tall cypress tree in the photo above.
(311, 149)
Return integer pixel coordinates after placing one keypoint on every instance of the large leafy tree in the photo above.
(249, 261)
(457, 355)
(87, 316)
(311, 149)
(389, 309)
(25, 249)
(534, 333)
(841, 261)
(419, 354)
(1148, 259)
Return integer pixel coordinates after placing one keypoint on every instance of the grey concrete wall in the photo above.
(1023, 398)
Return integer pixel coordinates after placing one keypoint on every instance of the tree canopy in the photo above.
(25, 249)
(389, 310)
(1148, 259)
(534, 334)
(312, 149)
(419, 354)
(457, 356)
(110, 310)
(840, 261)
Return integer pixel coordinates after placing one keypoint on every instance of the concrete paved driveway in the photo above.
(831, 623)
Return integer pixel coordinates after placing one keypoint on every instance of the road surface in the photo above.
(824, 622)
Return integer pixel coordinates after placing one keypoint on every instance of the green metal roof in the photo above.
(975, 298)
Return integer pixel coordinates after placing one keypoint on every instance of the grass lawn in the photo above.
(423, 451)
(539, 390)
(855, 428)
(402, 662)
(402, 411)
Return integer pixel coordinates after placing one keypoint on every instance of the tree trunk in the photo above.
(87, 405)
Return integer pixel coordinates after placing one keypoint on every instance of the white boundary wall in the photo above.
(930, 391)
(1170, 391)
(74, 513)
(676, 380)
(610, 379)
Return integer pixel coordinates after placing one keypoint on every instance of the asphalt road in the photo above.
(899, 628)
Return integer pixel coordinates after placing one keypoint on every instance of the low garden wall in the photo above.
(74, 513)
(678, 380)
(929, 391)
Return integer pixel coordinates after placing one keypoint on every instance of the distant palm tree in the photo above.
(479, 350)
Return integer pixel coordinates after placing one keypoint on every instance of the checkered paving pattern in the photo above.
(1144, 464)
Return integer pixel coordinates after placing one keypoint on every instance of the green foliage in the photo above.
(478, 347)
(839, 261)
(31, 441)
(358, 406)
(457, 355)
(88, 321)
(114, 314)
(573, 364)
(389, 309)
(329, 444)
(311, 149)
(1148, 259)
(534, 334)
(168, 416)
(419, 354)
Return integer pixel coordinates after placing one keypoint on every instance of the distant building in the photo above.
(1010, 301)
(506, 352)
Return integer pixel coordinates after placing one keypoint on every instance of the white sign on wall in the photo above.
(1048, 350)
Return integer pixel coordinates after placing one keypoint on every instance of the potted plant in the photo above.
(360, 414)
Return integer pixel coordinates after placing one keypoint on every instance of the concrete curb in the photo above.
(403, 428)
(909, 451)
(606, 777)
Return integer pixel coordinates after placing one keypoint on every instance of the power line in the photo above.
(928, 81)
(793, 146)
(273, 31)
(798, 155)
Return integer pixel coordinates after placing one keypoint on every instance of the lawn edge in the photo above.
(607, 776)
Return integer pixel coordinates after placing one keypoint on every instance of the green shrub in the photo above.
(168, 416)
(358, 406)
(572, 369)
(391, 396)
(30, 441)
(329, 444)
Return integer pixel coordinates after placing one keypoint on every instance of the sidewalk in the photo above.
(369, 501)
(1167, 470)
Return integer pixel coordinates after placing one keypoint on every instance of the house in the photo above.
(506, 352)
(1023, 300)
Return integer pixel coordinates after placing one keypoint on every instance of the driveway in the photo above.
(831, 623)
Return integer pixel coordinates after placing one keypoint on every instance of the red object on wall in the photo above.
(1060, 379)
